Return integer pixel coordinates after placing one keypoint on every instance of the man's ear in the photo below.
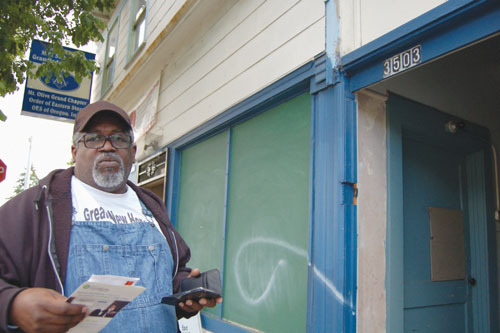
(134, 150)
(74, 149)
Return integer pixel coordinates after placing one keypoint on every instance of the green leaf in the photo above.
(54, 21)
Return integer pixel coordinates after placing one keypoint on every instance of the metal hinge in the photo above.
(355, 191)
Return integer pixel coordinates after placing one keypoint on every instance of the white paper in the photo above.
(191, 325)
(114, 280)
(104, 299)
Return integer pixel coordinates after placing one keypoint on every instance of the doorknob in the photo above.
(472, 281)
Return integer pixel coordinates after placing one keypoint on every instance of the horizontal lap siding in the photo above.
(380, 17)
(160, 12)
(210, 56)
(211, 49)
(253, 45)
(363, 21)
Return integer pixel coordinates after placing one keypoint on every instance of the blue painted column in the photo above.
(333, 252)
(332, 290)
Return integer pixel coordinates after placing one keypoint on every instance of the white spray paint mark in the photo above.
(276, 242)
(264, 294)
(329, 285)
(261, 240)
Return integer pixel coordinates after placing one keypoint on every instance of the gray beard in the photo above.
(108, 180)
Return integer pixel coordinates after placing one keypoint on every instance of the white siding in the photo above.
(210, 55)
(145, 64)
(159, 13)
(362, 21)
(252, 46)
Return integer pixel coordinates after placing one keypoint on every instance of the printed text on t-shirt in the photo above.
(100, 214)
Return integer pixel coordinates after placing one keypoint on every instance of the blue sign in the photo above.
(66, 84)
(54, 99)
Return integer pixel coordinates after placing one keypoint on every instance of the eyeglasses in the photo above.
(97, 141)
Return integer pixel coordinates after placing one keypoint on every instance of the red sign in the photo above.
(3, 170)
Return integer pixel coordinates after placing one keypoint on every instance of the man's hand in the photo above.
(44, 310)
(194, 306)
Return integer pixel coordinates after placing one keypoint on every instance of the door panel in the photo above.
(436, 319)
(429, 170)
(431, 178)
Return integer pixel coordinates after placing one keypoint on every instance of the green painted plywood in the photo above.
(201, 201)
(268, 220)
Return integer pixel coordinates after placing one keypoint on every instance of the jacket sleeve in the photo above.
(16, 244)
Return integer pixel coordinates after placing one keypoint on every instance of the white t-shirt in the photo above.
(93, 205)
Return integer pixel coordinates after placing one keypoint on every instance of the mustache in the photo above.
(107, 156)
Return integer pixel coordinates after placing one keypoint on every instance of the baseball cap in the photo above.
(84, 115)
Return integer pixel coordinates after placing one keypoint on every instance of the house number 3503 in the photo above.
(402, 61)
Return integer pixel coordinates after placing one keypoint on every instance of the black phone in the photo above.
(205, 285)
(193, 294)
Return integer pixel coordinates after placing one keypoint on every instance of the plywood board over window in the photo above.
(244, 208)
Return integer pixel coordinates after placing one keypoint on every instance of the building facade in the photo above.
(335, 160)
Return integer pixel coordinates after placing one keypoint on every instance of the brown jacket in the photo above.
(35, 228)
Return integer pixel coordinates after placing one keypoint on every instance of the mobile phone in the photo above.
(206, 285)
(193, 294)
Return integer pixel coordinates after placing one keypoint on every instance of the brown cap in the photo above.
(85, 114)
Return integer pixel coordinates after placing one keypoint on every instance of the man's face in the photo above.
(106, 168)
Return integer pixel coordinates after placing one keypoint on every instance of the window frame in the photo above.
(109, 63)
(138, 18)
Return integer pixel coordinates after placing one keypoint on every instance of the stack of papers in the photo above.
(105, 296)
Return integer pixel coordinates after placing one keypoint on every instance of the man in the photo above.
(89, 220)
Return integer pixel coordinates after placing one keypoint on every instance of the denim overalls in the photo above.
(135, 250)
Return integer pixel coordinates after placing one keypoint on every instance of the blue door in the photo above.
(437, 221)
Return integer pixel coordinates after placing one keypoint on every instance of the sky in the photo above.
(50, 147)
(50, 144)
